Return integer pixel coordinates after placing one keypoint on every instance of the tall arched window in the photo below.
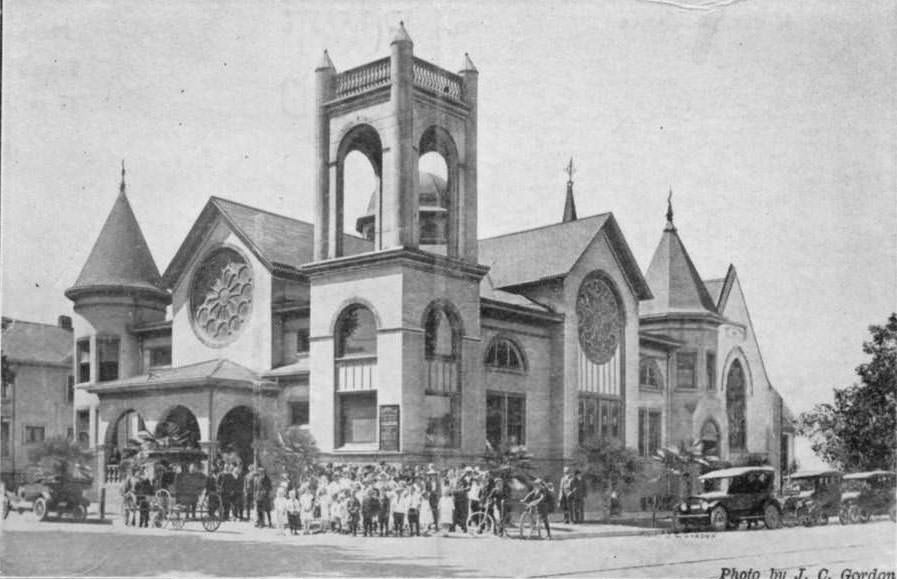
(356, 365)
(736, 407)
(442, 400)
(503, 354)
(356, 333)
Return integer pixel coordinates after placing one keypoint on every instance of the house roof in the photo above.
(120, 258)
(36, 343)
(281, 243)
(218, 371)
(674, 280)
(551, 251)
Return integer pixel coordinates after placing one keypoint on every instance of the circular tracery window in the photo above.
(599, 319)
(221, 297)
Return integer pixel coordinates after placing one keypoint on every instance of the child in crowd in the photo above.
(306, 509)
(293, 509)
(399, 506)
(446, 510)
(383, 514)
(353, 507)
(280, 509)
(413, 504)
(339, 512)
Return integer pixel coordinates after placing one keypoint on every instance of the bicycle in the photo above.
(480, 524)
(529, 526)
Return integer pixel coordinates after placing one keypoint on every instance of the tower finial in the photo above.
(570, 203)
(670, 209)
(122, 186)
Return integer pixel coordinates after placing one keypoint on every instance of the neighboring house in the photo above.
(38, 389)
(414, 341)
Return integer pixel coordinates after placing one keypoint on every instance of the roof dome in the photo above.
(432, 192)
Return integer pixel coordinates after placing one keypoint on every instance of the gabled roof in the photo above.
(210, 372)
(674, 280)
(551, 251)
(282, 244)
(120, 258)
(35, 343)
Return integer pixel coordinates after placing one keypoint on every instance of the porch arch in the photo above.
(238, 431)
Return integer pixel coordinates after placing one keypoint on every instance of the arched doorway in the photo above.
(121, 435)
(710, 439)
(179, 427)
(237, 432)
(736, 407)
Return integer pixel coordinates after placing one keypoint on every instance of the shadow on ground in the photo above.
(58, 553)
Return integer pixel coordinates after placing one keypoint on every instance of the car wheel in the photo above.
(719, 519)
(40, 508)
(844, 515)
(79, 513)
(864, 515)
(772, 517)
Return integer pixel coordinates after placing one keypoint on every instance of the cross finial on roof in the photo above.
(570, 203)
(122, 186)
(670, 209)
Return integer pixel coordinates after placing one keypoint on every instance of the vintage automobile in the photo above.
(54, 486)
(867, 494)
(731, 496)
(811, 497)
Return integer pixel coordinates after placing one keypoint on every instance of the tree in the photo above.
(856, 432)
(294, 452)
(608, 463)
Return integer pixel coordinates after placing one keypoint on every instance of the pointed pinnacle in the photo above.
(325, 63)
(468, 65)
(121, 187)
(670, 208)
(401, 35)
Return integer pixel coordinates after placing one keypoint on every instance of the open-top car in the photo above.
(731, 496)
(55, 486)
(811, 497)
(867, 494)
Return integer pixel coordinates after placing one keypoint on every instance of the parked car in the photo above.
(811, 497)
(867, 494)
(54, 485)
(731, 496)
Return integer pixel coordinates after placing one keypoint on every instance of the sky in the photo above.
(772, 123)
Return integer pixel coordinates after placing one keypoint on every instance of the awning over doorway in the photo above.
(218, 372)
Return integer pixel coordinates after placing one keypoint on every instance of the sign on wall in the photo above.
(389, 427)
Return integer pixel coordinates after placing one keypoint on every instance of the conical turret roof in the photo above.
(120, 260)
(674, 280)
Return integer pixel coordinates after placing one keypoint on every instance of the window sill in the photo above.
(358, 447)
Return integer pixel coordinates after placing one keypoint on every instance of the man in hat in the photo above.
(433, 490)
(566, 489)
(578, 495)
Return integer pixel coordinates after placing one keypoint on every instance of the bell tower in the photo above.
(395, 329)
(394, 110)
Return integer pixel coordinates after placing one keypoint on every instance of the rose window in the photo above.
(221, 298)
(599, 319)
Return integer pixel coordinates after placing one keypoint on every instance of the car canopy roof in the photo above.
(737, 471)
(812, 474)
(868, 474)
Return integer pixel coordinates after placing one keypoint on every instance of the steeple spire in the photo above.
(670, 226)
(570, 203)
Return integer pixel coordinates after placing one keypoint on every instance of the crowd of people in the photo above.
(370, 499)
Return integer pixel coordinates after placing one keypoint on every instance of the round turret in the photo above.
(432, 196)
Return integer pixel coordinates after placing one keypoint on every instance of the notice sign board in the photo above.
(389, 427)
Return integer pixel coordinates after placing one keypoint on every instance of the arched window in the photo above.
(736, 407)
(439, 338)
(649, 374)
(356, 333)
(442, 400)
(503, 354)
(710, 439)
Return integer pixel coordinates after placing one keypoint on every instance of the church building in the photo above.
(410, 339)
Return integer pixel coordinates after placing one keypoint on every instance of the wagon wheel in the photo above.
(40, 508)
(209, 512)
(163, 499)
(158, 518)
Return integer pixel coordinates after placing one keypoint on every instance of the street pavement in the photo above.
(95, 548)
